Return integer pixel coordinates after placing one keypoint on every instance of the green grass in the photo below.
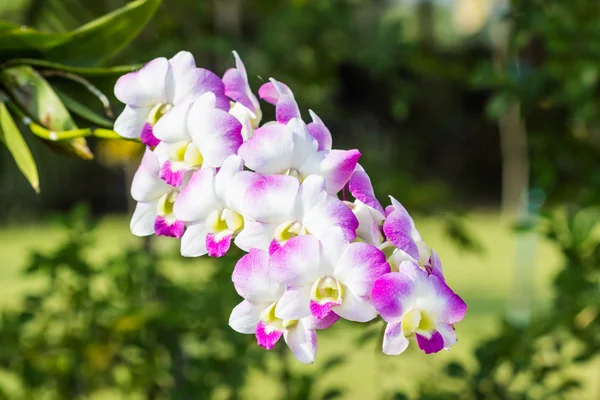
(485, 281)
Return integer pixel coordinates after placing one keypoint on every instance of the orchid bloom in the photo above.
(212, 203)
(327, 275)
(288, 147)
(246, 107)
(278, 208)
(211, 176)
(154, 210)
(417, 305)
(256, 314)
(150, 93)
(204, 137)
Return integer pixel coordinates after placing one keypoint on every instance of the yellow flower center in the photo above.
(327, 289)
(418, 321)
(158, 111)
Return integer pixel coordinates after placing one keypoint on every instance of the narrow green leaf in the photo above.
(40, 102)
(104, 37)
(7, 25)
(83, 111)
(26, 42)
(88, 72)
(12, 138)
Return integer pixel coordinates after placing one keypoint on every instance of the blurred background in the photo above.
(480, 116)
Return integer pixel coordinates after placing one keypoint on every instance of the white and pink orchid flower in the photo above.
(246, 107)
(291, 150)
(288, 146)
(279, 208)
(332, 274)
(204, 137)
(211, 204)
(154, 210)
(256, 314)
(417, 305)
(150, 93)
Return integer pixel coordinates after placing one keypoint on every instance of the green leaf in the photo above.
(12, 138)
(83, 111)
(104, 37)
(40, 102)
(26, 42)
(83, 71)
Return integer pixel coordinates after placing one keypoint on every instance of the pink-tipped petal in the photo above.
(244, 317)
(361, 188)
(197, 82)
(130, 123)
(302, 341)
(359, 266)
(286, 109)
(271, 91)
(298, 262)
(266, 336)
(390, 295)
(164, 227)
(252, 281)
(217, 245)
(216, 133)
(450, 306)
(328, 213)
(294, 304)
(147, 185)
(394, 342)
(237, 188)
(320, 132)
(355, 308)
(431, 345)
(270, 150)
(305, 146)
(400, 230)
(198, 199)
(336, 166)
(146, 87)
(193, 241)
(148, 137)
(142, 220)
(271, 199)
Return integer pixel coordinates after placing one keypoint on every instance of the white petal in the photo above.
(255, 235)
(354, 308)
(305, 145)
(311, 192)
(142, 220)
(394, 341)
(234, 196)
(294, 304)
(146, 184)
(193, 241)
(271, 199)
(172, 126)
(197, 200)
(302, 342)
(231, 166)
(130, 122)
(244, 317)
(146, 87)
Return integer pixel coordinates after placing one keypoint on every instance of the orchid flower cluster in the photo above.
(212, 175)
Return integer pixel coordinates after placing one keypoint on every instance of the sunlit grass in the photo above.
(484, 280)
